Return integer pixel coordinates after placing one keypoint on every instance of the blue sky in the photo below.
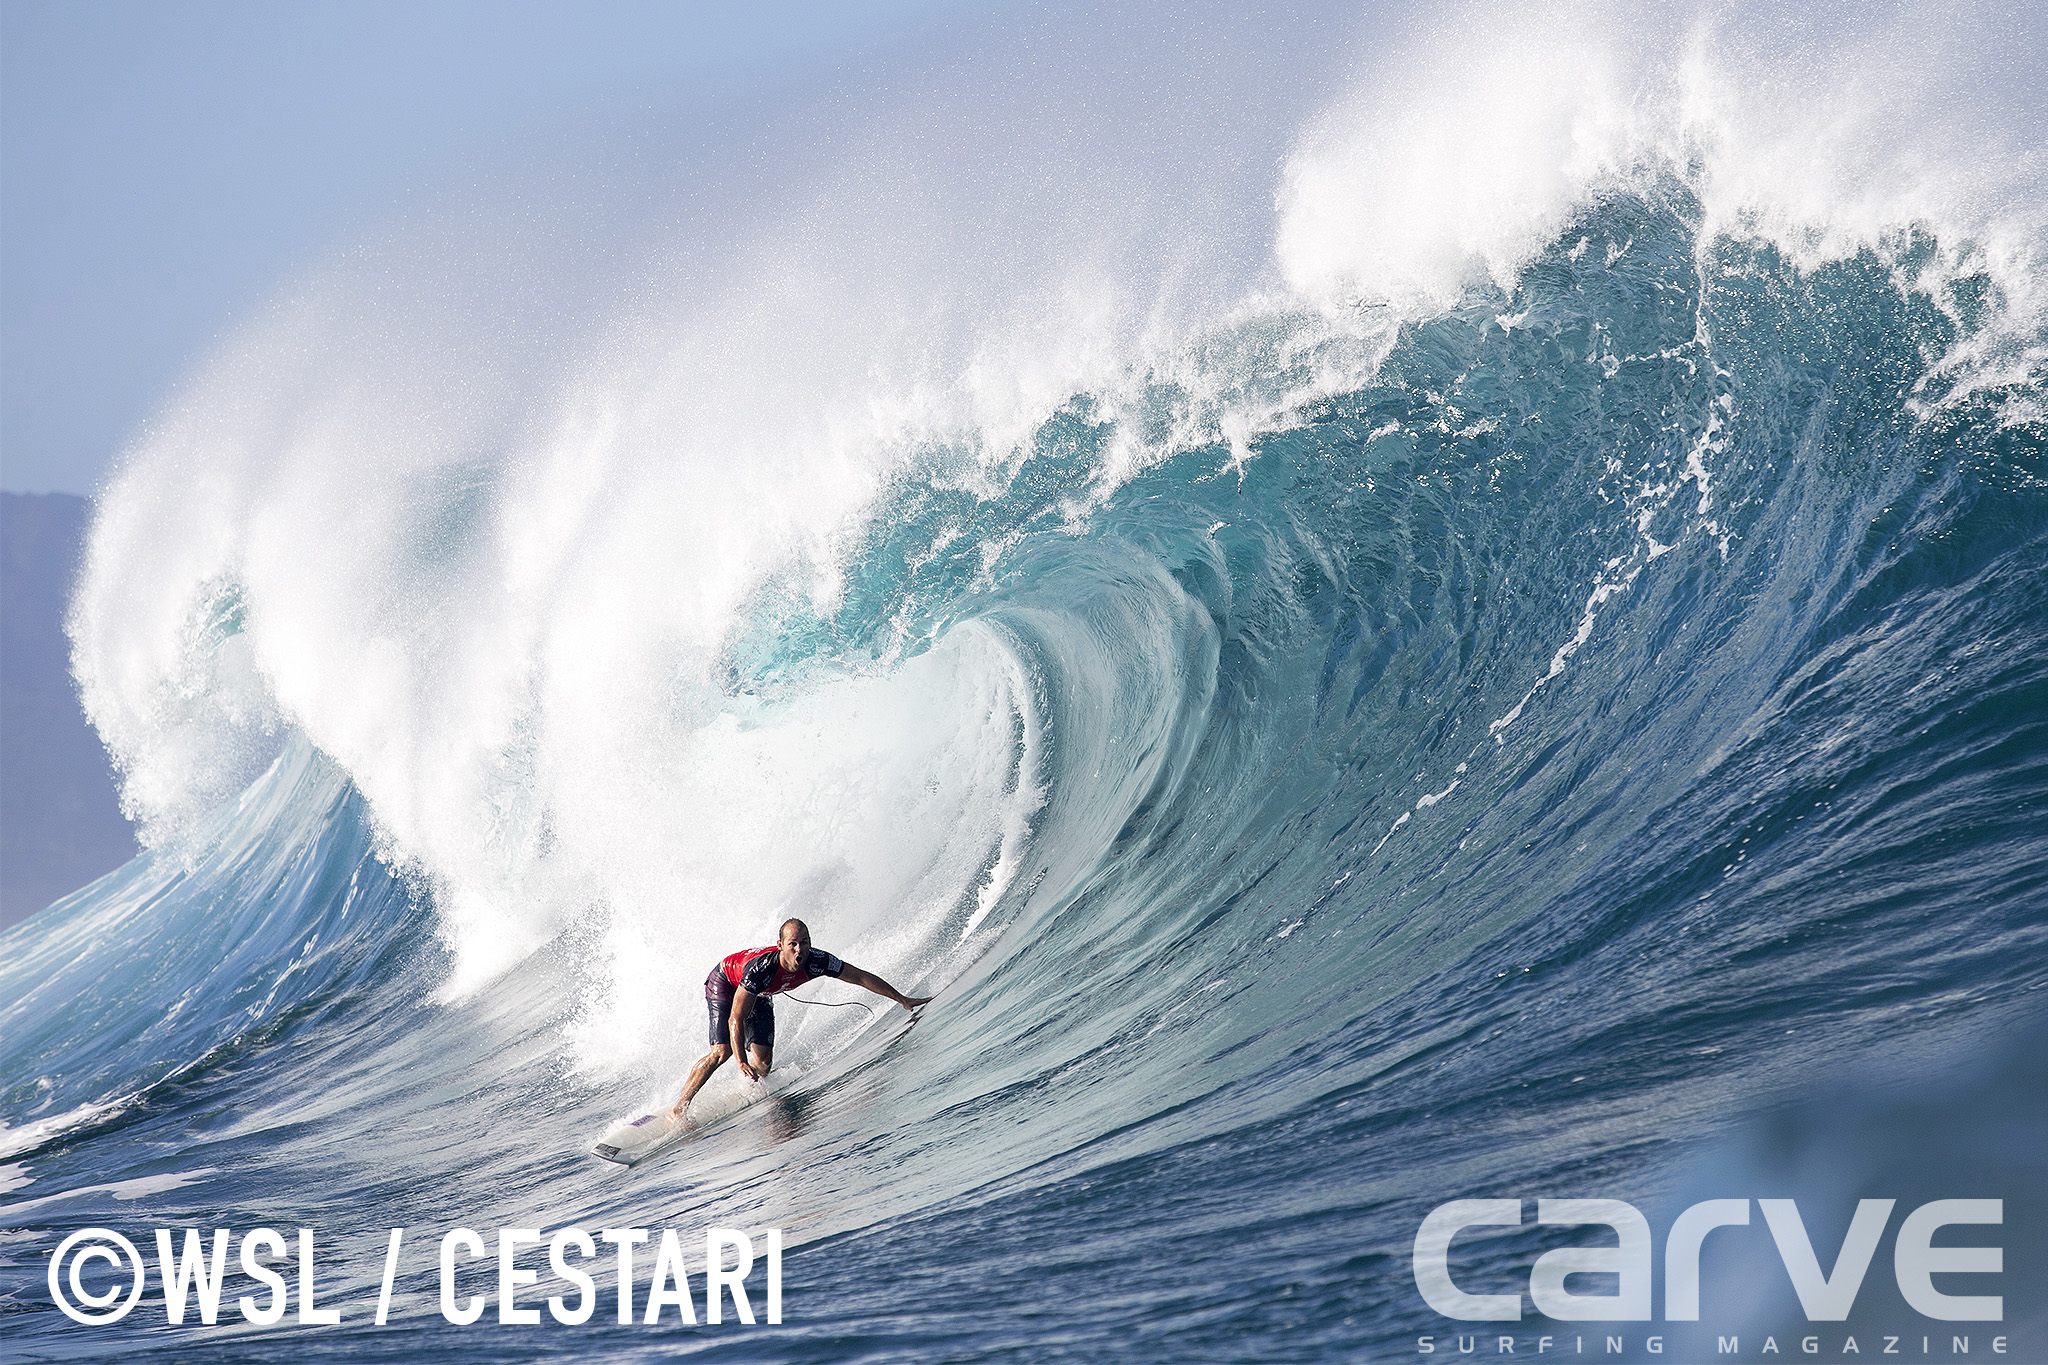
(164, 166)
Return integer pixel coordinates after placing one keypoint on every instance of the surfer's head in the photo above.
(794, 943)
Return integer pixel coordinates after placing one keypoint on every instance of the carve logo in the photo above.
(1826, 1296)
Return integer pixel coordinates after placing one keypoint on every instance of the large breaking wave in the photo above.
(1477, 648)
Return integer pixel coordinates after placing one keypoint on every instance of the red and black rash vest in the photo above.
(760, 971)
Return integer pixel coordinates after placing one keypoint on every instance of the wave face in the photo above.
(1487, 722)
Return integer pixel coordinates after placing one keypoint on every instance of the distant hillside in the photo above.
(60, 824)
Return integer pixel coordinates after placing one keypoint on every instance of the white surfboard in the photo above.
(631, 1141)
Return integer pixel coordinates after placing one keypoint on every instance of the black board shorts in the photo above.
(760, 1025)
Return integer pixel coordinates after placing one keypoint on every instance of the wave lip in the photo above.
(1454, 165)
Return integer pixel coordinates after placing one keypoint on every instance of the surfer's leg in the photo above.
(760, 1039)
(699, 1074)
(716, 1006)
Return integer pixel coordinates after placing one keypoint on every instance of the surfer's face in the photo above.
(794, 945)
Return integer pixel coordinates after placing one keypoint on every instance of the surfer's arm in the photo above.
(735, 1028)
(869, 981)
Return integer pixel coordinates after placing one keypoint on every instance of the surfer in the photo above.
(735, 994)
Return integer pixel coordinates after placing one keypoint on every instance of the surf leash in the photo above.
(832, 1004)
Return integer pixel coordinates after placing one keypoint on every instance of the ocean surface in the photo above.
(1536, 695)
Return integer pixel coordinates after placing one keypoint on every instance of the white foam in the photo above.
(30, 1136)
(1462, 152)
(140, 1188)
(1449, 165)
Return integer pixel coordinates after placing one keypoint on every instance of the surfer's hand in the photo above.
(749, 1072)
(911, 1002)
